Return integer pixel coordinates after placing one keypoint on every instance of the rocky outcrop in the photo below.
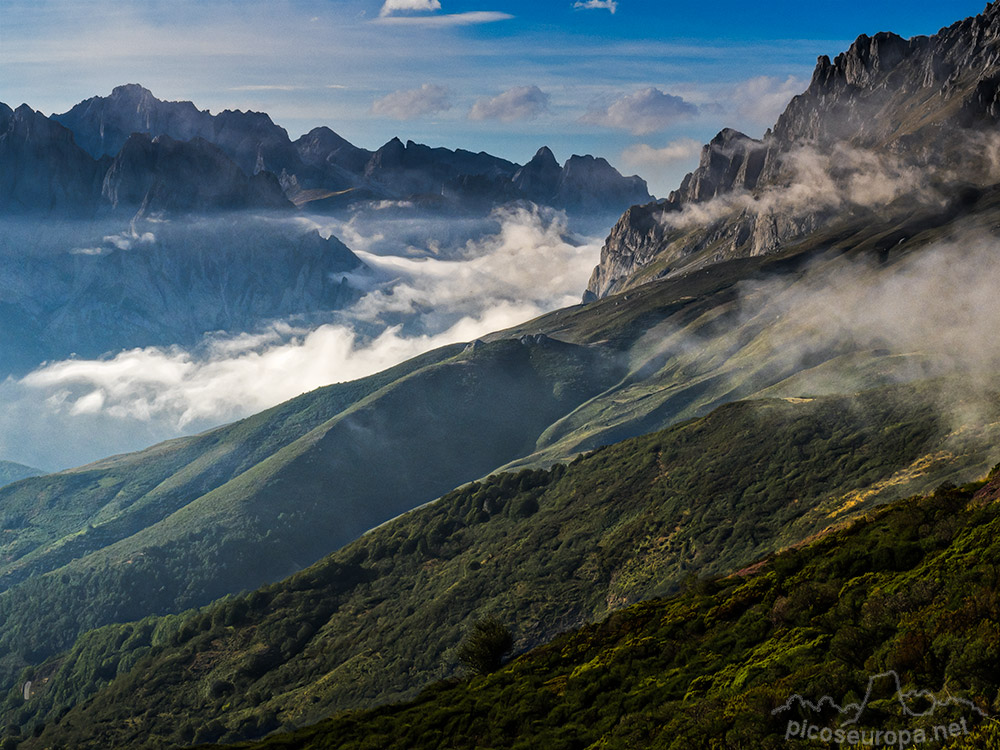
(42, 168)
(161, 174)
(887, 116)
(90, 288)
(731, 161)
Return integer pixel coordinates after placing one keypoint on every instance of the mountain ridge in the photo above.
(870, 120)
(317, 168)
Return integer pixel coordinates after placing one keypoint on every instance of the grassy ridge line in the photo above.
(475, 409)
(544, 550)
(61, 516)
(912, 589)
(11, 472)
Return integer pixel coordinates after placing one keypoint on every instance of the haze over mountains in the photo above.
(802, 333)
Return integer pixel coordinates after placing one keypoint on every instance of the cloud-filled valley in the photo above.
(478, 277)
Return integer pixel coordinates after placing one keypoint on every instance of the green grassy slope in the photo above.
(912, 589)
(160, 536)
(52, 519)
(543, 550)
(705, 338)
(11, 472)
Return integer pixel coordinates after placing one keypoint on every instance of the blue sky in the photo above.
(643, 85)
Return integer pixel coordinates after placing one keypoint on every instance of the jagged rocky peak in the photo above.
(867, 60)
(730, 161)
(589, 182)
(925, 106)
(103, 124)
(538, 180)
(321, 147)
(41, 166)
(163, 174)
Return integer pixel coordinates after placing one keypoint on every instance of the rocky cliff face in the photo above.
(87, 288)
(42, 168)
(888, 118)
(161, 174)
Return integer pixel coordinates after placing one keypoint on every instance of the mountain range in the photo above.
(756, 456)
(130, 152)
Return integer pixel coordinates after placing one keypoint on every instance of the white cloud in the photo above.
(449, 19)
(644, 155)
(611, 5)
(521, 268)
(407, 104)
(762, 99)
(519, 103)
(647, 111)
(422, 6)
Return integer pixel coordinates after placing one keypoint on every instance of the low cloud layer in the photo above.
(519, 103)
(407, 104)
(647, 111)
(518, 264)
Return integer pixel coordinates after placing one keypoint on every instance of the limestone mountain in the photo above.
(102, 125)
(889, 124)
(42, 168)
(161, 174)
(324, 171)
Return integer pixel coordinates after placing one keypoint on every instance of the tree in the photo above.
(486, 647)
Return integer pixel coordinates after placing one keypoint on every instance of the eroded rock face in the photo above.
(42, 168)
(161, 174)
(886, 116)
(86, 287)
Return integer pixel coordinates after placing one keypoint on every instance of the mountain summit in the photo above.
(888, 118)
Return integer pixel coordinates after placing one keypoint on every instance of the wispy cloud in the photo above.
(609, 5)
(644, 155)
(647, 111)
(421, 6)
(518, 103)
(448, 19)
(407, 104)
(761, 99)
